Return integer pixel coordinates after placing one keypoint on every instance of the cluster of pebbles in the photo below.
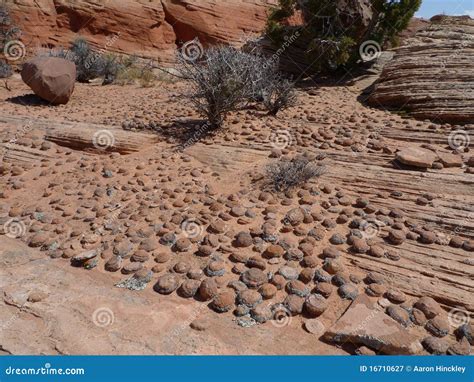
(163, 222)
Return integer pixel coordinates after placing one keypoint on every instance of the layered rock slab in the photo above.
(432, 74)
(366, 324)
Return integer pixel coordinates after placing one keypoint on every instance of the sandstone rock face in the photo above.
(144, 28)
(140, 25)
(51, 78)
(217, 21)
(432, 74)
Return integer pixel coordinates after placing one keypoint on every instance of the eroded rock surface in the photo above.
(366, 324)
(432, 74)
(141, 27)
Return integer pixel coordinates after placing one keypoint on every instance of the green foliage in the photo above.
(284, 10)
(329, 34)
(393, 17)
(89, 64)
(331, 53)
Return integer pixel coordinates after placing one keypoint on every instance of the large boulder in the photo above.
(51, 78)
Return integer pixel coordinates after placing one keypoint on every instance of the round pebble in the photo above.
(315, 305)
(348, 291)
(208, 289)
(167, 284)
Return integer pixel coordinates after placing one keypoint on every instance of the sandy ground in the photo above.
(63, 195)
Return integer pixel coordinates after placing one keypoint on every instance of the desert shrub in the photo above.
(268, 86)
(143, 75)
(8, 32)
(286, 173)
(111, 68)
(89, 64)
(131, 72)
(226, 78)
(220, 81)
(278, 94)
(332, 33)
(5, 69)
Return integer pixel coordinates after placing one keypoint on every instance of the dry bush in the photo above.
(226, 78)
(289, 173)
(89, 64)
(134, 74)
(278, 94)
(220, 81)
(5, 69)
(269, 87)
(8, 32)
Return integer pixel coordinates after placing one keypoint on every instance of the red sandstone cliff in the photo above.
(146, 28)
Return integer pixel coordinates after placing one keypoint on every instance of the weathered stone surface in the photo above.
(364, 324)
(140, 25)
(51, 78)
(417, 157)
(431, 74)
(216, 22)
(147, 29)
